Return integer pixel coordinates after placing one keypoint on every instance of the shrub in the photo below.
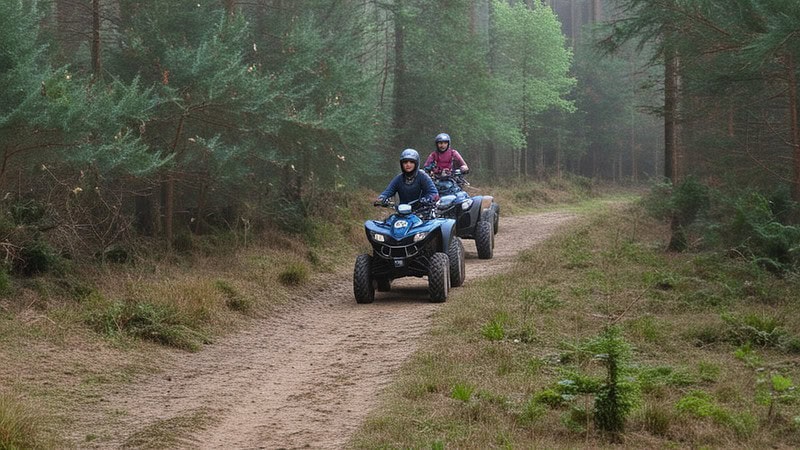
(159, 323)
(35, 258)
(617, 397)
(462, 391)
(754, 231)
(495, 329)
(19, 428)
(294, 274)
(233, 299)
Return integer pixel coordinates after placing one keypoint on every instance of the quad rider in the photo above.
(445, 159)
(410, 184)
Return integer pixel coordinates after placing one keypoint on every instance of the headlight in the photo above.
(378, 237)
(467, 204)
(420, 236)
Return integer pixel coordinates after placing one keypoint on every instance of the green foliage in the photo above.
(462, 392)
(618, 396)
(649, 379)
(756, 329)
(748, 222)
(495, 329)
(755, 231)
(36, 257)
(531, 68)
(689, 199)
(701, 404)
(775, 390)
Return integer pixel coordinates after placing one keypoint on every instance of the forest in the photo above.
(125, 118)
(174, 174)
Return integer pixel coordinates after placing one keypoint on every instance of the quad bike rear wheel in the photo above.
(484, 239)
(457, 265)
(439, 277)
(363, 289)
(495, 209)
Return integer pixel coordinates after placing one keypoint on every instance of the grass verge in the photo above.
(705, 351)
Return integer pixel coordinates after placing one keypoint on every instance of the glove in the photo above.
(380, 201)
(464, 172)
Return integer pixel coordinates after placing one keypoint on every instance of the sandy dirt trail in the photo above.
(307, 377)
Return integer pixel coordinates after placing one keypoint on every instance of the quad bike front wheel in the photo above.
(439, 277)
(484, 239)
(363, 289)
(457, 265)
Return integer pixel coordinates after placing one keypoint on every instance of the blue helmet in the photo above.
(409, 154)
(442, 137)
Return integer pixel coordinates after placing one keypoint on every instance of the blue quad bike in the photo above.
(410, 243)
(477, 217)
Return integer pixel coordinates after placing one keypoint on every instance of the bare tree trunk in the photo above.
(795, 127)
(492, 160)
(169, 195)
(96, 62)
(671, 115)
(400, 113)
(634, 169)
(230, 7)
(169, 208)
(558, 154)
(597, 11)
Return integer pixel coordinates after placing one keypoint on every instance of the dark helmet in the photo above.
(442, 137)
(409, 154)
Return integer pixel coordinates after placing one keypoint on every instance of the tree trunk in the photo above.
(558, 154)
(169, 191)
(169, 208)
(634, 169)
(400, 88)
(493, 166)
(96, 62)
(230, 7)
(794, 127)
(671, 115)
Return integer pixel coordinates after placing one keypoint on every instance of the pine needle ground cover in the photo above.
(601, 338)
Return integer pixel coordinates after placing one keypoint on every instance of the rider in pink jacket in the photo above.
(445, 159)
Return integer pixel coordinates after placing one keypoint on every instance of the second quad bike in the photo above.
(410, 243)
(477, 217)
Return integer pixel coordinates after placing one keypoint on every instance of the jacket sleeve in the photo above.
(428, 188)
(429, 161)
(458, 158)
(391, 189)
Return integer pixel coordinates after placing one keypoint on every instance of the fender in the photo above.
(448, 230)
(486, 202)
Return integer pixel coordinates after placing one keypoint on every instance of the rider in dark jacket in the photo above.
(411, 183)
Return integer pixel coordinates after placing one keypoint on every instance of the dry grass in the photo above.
(699, 384)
